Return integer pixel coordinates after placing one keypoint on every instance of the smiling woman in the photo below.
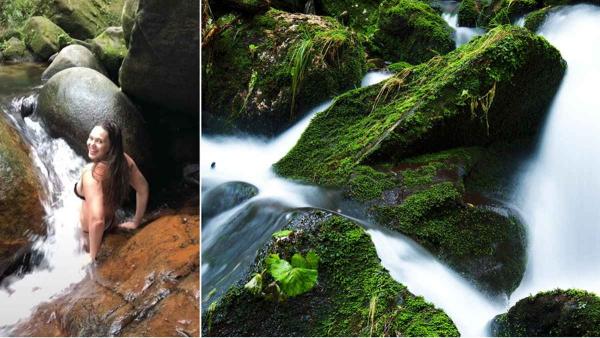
(104, 185)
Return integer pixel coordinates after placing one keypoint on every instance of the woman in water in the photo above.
(104, 185)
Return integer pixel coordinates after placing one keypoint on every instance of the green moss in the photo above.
(43, 37)
(355, 295)
(566, 313)
(333, 61)
(468, 13)
(398, 66)
(535, 19)
(360, 15)
(428, 107)
(411, 31)
(110, 49)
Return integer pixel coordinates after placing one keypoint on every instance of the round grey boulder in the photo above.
(76, 99)
(72, 56)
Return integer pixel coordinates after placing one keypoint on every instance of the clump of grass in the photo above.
(299, 63)
(391, 86)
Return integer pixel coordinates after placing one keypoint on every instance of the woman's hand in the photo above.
(130, 225)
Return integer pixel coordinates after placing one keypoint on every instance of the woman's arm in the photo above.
(95, 215)
(139, 183)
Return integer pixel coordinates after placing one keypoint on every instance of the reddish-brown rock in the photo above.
(146, 284)
(21, 212)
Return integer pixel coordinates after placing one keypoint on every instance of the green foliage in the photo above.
(282, 233)
(14, 13)
(301, 57)
(255, 285)
(350, 276)
(411, 31)
(556, 313)
(296, 278)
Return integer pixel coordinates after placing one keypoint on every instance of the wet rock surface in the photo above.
(145, 283)
(21, 211)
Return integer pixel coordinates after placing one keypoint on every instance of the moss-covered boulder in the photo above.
(76, 99)
(510, 10)
(21, 212)
(474, 234)
(130, 8)
(463, 99)
(262, 74)
(110, 49)
(354, 294)
(360, 15)
(468, 13)
(164, 50)
(44, 37)
(15, 50)
(411, 31)
(489, 14)
(535, 19)
(72, 56)
(557, 313)
(83, 19)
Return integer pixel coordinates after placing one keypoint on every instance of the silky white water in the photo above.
(230, 239)
(462, 35)
(559, 192)
(64, 259)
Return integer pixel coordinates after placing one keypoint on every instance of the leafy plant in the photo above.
(296, 278)
(282, 233)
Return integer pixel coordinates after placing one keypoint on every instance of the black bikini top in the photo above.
(76, 193)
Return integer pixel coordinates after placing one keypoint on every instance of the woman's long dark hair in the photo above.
(115, 180)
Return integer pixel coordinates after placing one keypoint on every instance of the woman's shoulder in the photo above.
(130, 161)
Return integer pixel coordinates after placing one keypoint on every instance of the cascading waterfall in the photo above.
(462, 35)
(559, 192)
(63, 259)
(231, 239)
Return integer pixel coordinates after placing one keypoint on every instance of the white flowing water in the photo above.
(63, 259)
(559, 192)
(462, 35)
(230, 239)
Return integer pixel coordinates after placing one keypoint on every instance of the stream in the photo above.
(60, 259)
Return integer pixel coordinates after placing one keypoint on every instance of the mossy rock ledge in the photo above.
(350, 276)
(398, 147)
(263, 73)
(557, 313)
(411, 31)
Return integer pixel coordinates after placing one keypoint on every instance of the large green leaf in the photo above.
(312, 260)
(294, 278)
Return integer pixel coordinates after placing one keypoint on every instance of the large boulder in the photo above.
(21, 211)
(164, 50)
(364, 144)
(557, 313)
(82, 19)
(73, 56)
(477, 236)
(76, 99)
(44, 37)
(130, 8)
(262, 74)
(462, 99)
(411, 31)
(354, 294)
(145, 285)
(110, 49)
